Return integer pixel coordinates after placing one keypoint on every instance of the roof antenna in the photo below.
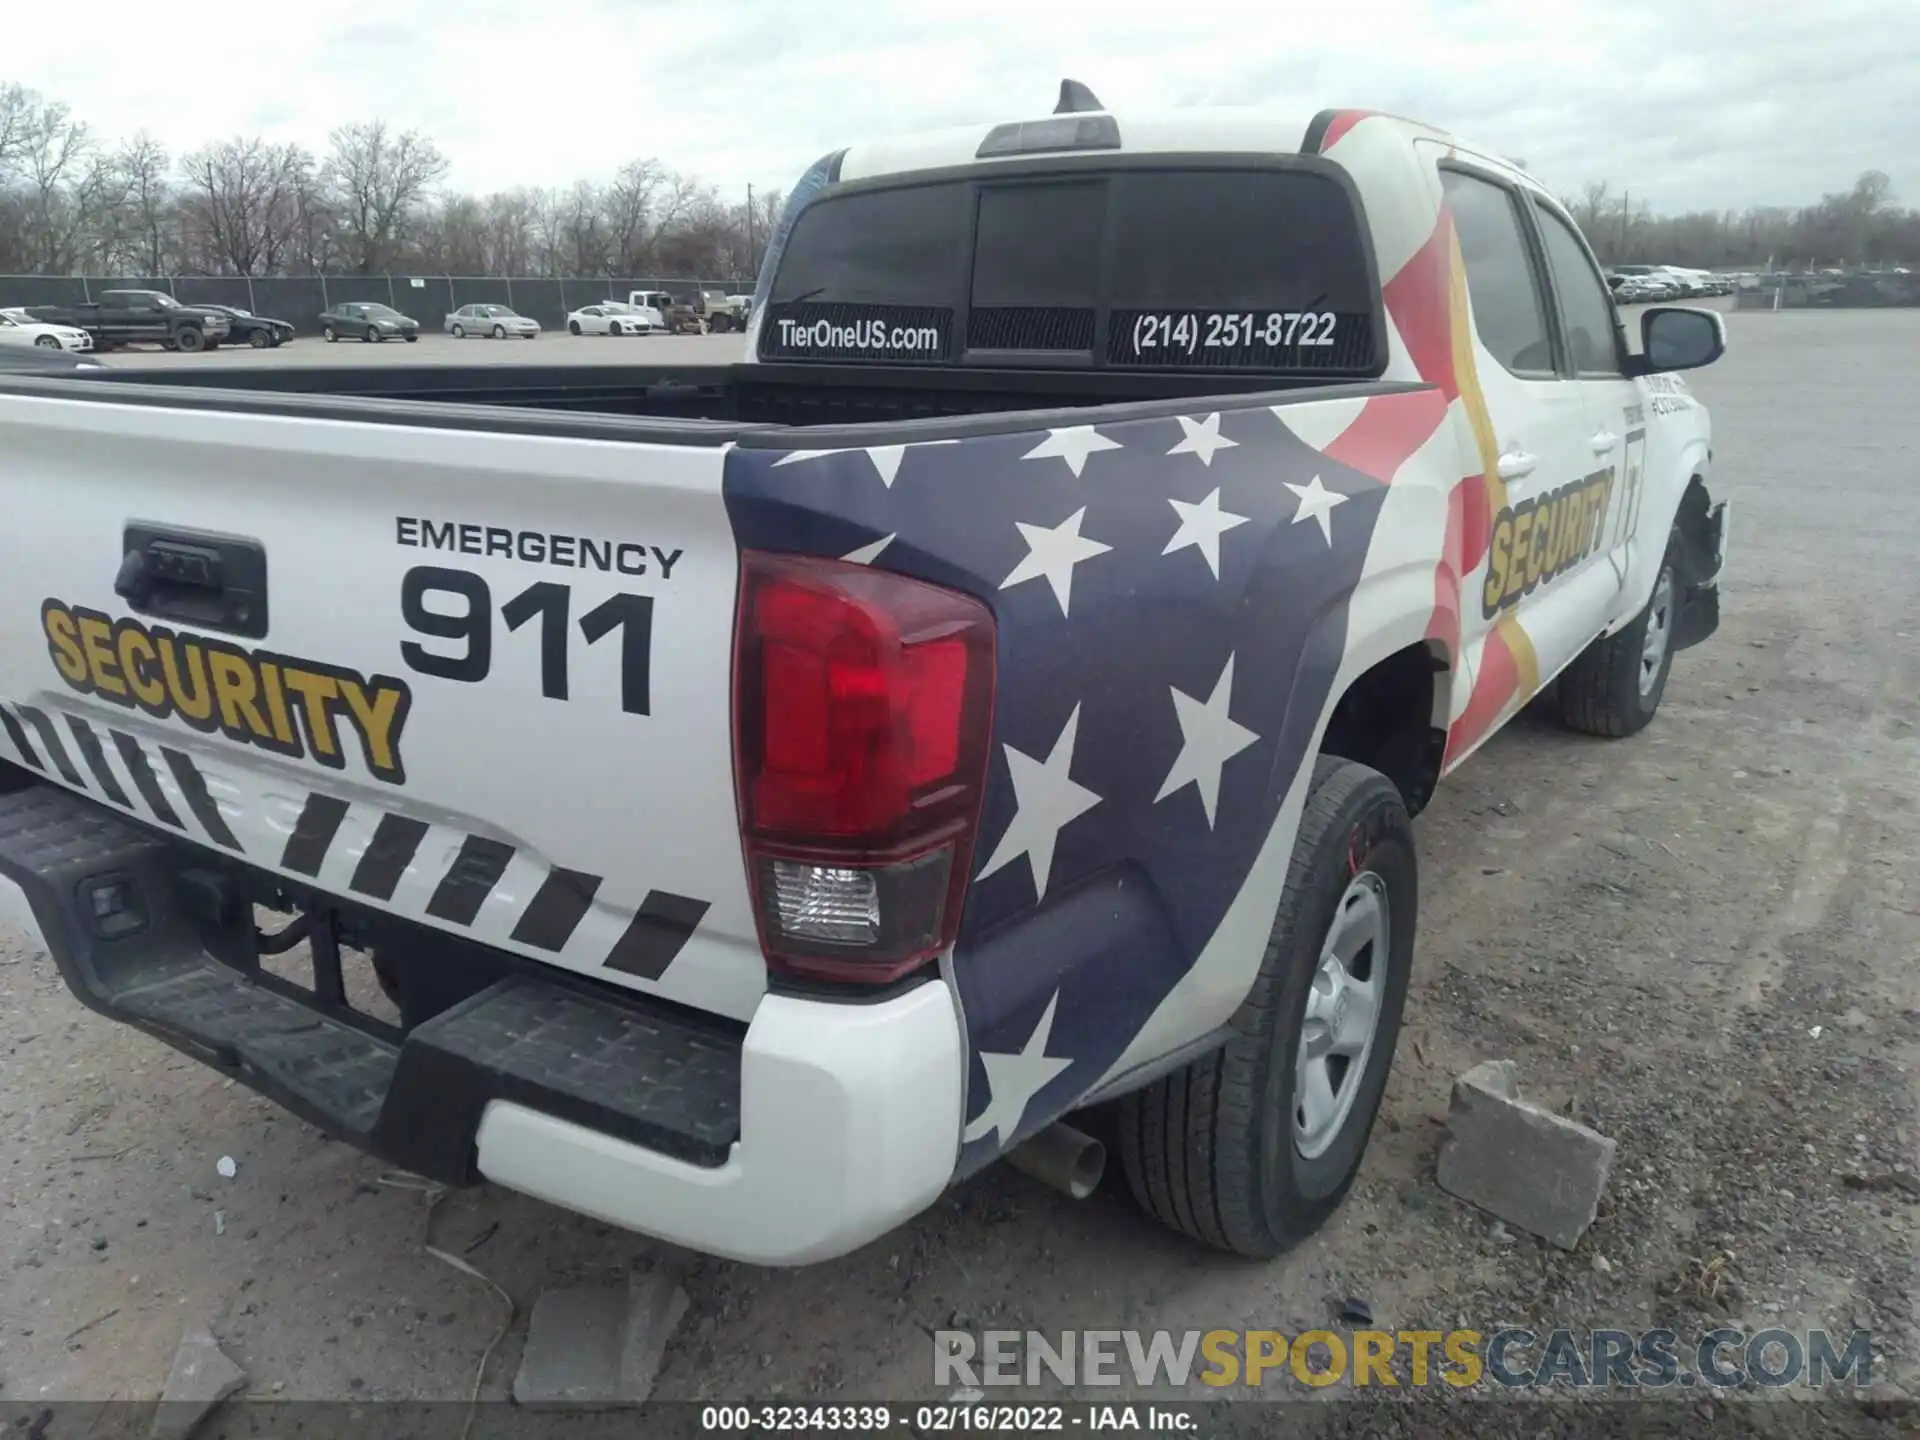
(1076, 98)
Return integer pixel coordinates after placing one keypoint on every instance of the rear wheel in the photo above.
(1251, 1148)
(1613, 687)
(574, 326)
(459, 332)
(330, 336)
(190, 340)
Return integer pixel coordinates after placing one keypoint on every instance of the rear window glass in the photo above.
(1250, 269)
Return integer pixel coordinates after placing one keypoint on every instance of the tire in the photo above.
(47, 342)
(190, 340)
(614, 330)
(1613, 687)
(260, 340)
(330, 336)
(1218, 1150)
(412, 338)
(373, 335)
(459, 332)
(499, 332)
(573, 326)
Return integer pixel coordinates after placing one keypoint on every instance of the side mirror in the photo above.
(1677, 337)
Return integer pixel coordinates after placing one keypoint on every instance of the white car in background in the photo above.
(615, 317)
(19, 328)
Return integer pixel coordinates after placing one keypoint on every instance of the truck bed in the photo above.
(720, 401)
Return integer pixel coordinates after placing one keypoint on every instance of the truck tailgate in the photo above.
(476, 679)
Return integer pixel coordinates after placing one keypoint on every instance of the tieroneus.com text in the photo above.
(859, 335)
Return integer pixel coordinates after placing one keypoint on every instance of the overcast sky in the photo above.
(1690, 103)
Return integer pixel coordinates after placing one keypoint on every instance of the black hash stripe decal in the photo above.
(661, 926)
(193, 785)
(471, 878)
(50, 742)
(96, 758)
(144, 780)
(313, 834)
(556, 909)
(19, 739)
(394, 841)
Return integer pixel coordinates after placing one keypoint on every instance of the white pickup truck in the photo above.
(771, 792)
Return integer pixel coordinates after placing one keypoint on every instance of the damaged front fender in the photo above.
(1702, 528)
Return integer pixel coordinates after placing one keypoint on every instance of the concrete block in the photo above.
(202, 1376)
(599, 1345)
(1514, 1159)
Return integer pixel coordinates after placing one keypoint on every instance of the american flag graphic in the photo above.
(1170, 591)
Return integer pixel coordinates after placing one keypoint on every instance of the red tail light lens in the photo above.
(862, 706)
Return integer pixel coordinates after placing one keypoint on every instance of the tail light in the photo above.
(861, 710)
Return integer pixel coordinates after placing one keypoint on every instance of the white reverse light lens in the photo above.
(823, 902)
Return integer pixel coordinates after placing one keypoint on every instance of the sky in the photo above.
(1688, 104)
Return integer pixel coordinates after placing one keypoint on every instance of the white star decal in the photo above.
(1072, 445)
(1316, 501)
(1053, 553)
(1013, 1081)
(1203, 438)
(1209, 738)
(886, 458)
(1046, 801)
(867, 554)
(1202, 526)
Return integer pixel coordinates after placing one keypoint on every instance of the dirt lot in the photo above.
(1702, 940)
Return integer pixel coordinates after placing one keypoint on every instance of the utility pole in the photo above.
(752, 268)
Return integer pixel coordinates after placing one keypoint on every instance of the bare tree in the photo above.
(378, 182)
(144, 233)
(244, 203)
(63, 180)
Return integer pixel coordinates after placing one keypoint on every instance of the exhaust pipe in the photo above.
(1063, 1158)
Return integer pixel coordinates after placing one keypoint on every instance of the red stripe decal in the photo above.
(1388, 429)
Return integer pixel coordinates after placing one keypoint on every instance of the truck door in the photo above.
(1531, 605)
(1596, 354)
(136, 316)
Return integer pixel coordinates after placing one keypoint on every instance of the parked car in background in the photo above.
(496, 322)
(129, 317)
(615, 317)
(682, 317)
(247, 328)
(369, 321)
(1634, 289)
(18, 328)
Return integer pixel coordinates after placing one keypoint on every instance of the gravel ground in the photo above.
(1701, 941)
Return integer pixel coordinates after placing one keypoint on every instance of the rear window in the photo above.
(1261, 269)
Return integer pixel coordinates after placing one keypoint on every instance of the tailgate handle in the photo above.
(215, 582)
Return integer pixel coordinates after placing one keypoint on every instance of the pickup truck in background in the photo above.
(770, 793)
(140, 317)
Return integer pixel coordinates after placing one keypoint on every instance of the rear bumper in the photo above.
(814, 1130)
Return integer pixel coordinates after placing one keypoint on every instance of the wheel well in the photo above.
(1696, 531)
(1390, 719)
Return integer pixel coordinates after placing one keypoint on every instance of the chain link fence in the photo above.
(1865, 290)
(299, 299)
